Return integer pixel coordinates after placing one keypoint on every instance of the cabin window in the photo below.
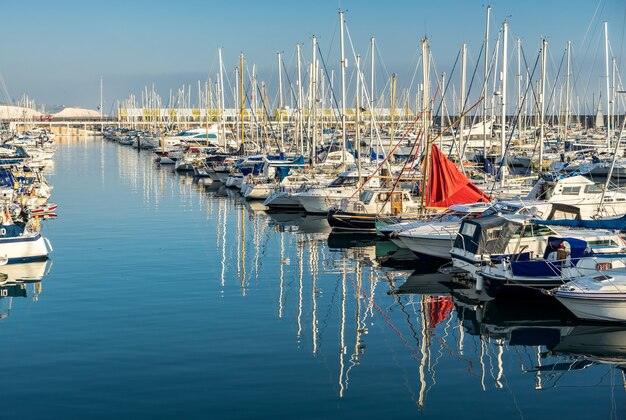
(342, 181)
(493, 234)
(366, 196)
(603, 243)
(571, 190)
(543, 231)
(560, 214)
(468, 229)
(593, 189)
(382, 197)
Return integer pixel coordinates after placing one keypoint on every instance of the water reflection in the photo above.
(355, 303)
(17, 279)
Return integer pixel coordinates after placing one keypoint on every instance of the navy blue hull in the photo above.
(528, 289)
(341, 220)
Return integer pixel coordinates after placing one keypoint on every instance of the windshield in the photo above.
(343, 181)
(501, 208)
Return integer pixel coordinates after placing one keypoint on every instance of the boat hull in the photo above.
(282, 201)
(347, 221)
(600, 307)
(25, 249)
(504, 288)
(433, 246)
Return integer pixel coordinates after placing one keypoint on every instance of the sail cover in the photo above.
(447, 185)
(618, 223)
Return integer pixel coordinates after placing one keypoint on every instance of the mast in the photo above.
(613, 118)
(484, 94)
(519, 84)
(426, 119)
(222, 106)
(300, 128)
(280, 102)
(608, 92)
(314, 102)
(542, 98)
(253, 105)
(372, 97)
(445, 116)
(357, 137)
(505, 31)
(567, 99)
(101, 103)
(343, 89)
(462, 99)
(242, 99)
(392, 111)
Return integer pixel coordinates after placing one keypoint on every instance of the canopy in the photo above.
(447, 185)
(544, 268)
(578, 247)
(486, 235)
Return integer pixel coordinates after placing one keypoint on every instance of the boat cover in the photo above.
(618, 223)
(544, 268)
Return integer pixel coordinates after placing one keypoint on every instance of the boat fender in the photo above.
(479, 283)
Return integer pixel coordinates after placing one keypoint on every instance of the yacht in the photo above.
(592, 199)
(321, 200)
(200, 136)
(360, 214)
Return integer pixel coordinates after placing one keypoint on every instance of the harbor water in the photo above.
(168, 297)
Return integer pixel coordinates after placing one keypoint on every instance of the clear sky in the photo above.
(57, 51)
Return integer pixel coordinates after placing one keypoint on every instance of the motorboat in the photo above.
(564, 259)
(480, 240)
(597, 297)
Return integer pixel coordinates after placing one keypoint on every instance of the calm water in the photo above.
(169, 299)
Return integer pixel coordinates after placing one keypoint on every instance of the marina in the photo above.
(304, 219)
(186, 292)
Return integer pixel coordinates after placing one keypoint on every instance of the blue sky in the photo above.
(56, 52)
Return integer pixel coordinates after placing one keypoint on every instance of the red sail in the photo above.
(447, 185)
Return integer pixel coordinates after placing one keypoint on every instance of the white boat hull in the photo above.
(596, 308)
(433, 246)
(258, 191)
(234, 181)
(319, 203)
(23, 249)
(282, 199)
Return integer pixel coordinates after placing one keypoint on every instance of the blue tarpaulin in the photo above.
(618, 223)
